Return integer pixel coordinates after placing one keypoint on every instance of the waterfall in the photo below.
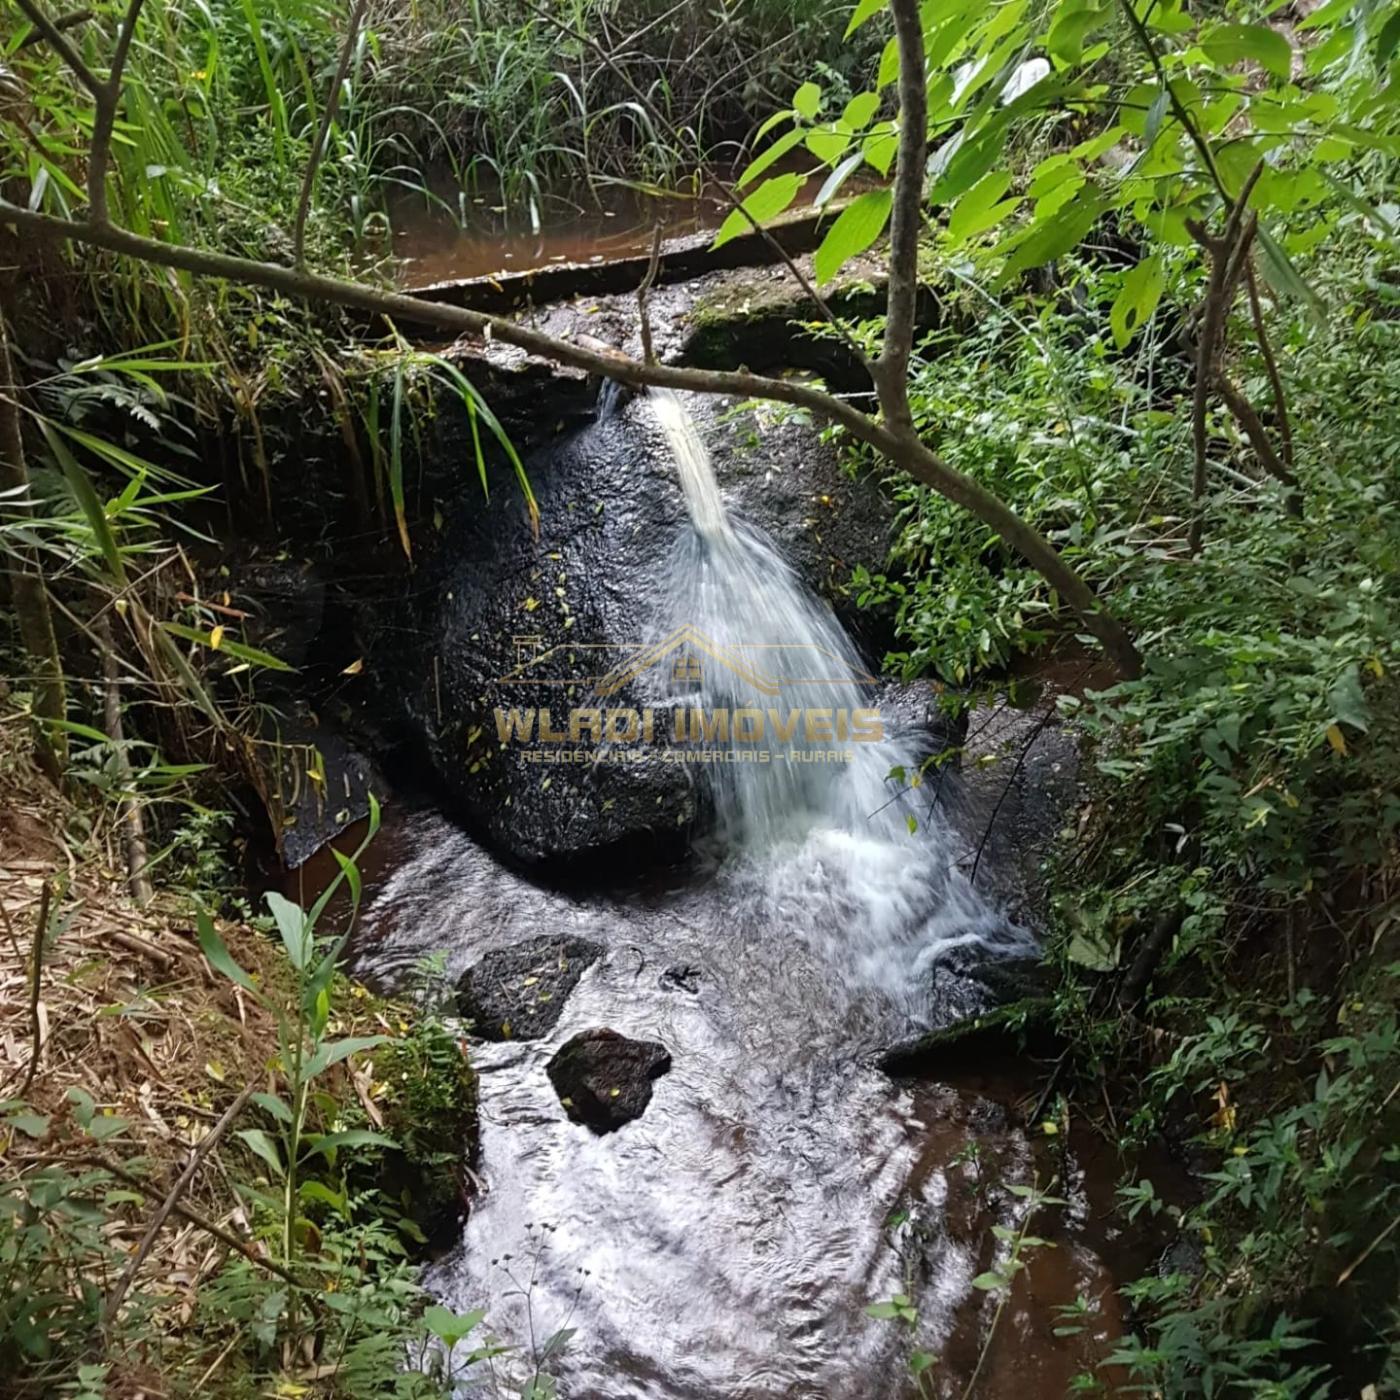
(829, 831)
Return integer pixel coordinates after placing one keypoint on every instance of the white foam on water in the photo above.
(846, 852)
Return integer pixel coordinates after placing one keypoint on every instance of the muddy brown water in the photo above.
(729, 1241)
(478, 232)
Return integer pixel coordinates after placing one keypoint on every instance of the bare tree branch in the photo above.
(64, 22)
(1225, 255)
(906, 217)
(318, 151)
(904, 449)
(1285, 427)
(106, 95)
(60, 45)
(105, 117)
(1246, 416)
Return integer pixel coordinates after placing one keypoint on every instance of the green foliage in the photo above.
(429, 1106)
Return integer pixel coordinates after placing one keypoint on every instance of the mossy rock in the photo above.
(1019, 1028)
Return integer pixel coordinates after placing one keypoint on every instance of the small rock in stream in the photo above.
(519, 993)
(604, 1079)
(681, 977)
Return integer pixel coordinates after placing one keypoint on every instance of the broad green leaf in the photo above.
(261, 1144)
(807, 100)
(318, 1191)
(34, 1125)
(1230, 43)
(889, 65)
(334, 1051)
(217, 954)
(860, 223)
(860, 109)
(881, 146)
(776, 151)
(1055, 237)
(866, 10)
(828, 144)
(982, 207)
(450, 1327)
(1387, 39)
(766, 202)
(292, 925)
(882, 1310)
(326, 1143)
(988, 1281)
(1074, 22)
(276, 1105)
(1137, 300)
(972, 160)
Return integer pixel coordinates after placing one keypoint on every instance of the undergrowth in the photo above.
(287, 1265)
(1243, 788)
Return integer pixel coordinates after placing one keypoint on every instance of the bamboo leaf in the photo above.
(88, 502)
(216, 953)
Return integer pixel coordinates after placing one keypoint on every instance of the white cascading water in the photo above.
(730, 1240)
(836, 837)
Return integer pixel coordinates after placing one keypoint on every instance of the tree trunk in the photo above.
(27, 587)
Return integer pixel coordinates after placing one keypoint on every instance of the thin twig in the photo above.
(200, 1222)
(318, 151)
(643, 314)
(1006, 787)
(1366, 1253)
(41, 932)
(202, 1150)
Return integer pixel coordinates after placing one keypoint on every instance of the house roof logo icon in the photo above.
(769, 669)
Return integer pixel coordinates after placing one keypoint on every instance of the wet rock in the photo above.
(519, 993)
(533, 622)
(604, 1079)
(970, 1044)
(1016, 787)
(681, 977)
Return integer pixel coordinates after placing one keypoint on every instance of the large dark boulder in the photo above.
(519, 993)
(604, 1079)
(530, 620)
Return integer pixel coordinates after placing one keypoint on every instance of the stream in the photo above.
(729, 1240)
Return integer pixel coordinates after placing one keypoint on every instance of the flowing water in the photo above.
(728, 1241)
